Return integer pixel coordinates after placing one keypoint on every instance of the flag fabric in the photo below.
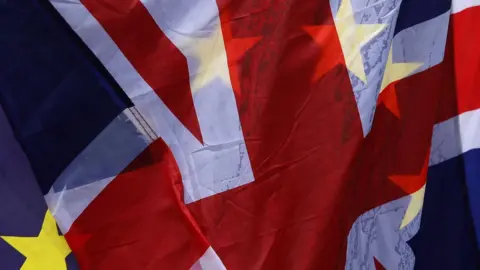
(228, 134)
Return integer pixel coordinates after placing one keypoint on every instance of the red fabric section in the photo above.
(314, 172)
(466, 57)
(139, 220)
(412, 183)
(151, 53)
(461, 76)
(326, 38)
(455, 79)
(389, 99)
(236, 49)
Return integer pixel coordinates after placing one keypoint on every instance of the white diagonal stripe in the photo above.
(455, 136)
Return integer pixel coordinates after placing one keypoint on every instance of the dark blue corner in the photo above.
(446, 239)
(413, 12)
(56, 94)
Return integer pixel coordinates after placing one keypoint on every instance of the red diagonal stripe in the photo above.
(151, 53)
(461, 68)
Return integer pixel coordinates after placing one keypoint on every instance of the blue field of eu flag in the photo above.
(54, 100)
(29, 237)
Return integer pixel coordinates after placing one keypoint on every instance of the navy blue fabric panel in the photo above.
(11, 259)
(413, 12)
(472, 174)
(72, 263)
(22, 205)
(57, 96)
(446, 239)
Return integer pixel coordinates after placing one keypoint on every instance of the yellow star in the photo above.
(414, 206)
(353, 36)
(414, 185)
(394, 72)
(397, 71)
(47, 251)
(212, 59)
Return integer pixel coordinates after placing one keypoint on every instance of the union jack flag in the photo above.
(239, 134)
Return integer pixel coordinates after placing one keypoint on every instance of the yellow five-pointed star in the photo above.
(394, 72)
(212, 59)
(414, 206)
(45, 252)
(415, 186)
(397, 71)
(353, 36)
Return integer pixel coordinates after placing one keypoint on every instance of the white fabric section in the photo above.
(222, 162)
(224, 157)
(455, 136)
(423, 43)
(374, 52)
(377, 233)
(460, 5)
(67, 205)
(209, 261)
(188, 26)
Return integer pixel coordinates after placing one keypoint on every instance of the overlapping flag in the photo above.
(239, 134)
